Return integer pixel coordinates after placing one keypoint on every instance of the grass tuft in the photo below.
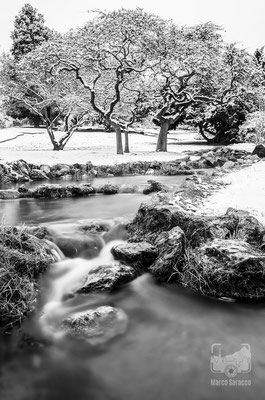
(22, 258)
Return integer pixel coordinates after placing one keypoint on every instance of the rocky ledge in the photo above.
(216, 256)
(223, 157)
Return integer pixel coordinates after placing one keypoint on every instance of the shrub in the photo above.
(253, 129)
(5, 121)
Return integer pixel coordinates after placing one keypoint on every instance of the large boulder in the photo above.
(171, 248)
(97, 326)
(226, 268)
(156, 216)
(143, 253)
(259, 150)
(79, 245)
(107, 277)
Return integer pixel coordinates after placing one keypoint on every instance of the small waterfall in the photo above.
(62, 283)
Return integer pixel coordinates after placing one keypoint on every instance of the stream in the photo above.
(42, 211)
(165, 352)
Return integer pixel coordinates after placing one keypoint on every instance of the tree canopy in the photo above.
(127, 65)
(29, 31)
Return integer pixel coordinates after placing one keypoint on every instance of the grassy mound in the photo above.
(22, 258)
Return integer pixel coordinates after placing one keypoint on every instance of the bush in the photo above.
(253, 129)
(5, 121)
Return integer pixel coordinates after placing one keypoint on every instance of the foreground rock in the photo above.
(141, 253)
(226, 268)
(97, 326)
(171, 248)
(108, 277)
(217, 256)
(156, 216)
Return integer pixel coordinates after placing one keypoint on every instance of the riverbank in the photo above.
(226, 158)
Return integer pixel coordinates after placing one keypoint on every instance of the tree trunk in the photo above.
(162, 137)
(57, 146)
(119, 145)
(126, 146)
(220, 137)
(36, 123)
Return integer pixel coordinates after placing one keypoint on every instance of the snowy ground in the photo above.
(245, 192)
(33, 145)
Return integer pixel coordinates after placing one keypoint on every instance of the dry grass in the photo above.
(22, 258)
(201, 276)
(214, 279)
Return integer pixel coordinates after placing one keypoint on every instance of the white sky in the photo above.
(244, 21)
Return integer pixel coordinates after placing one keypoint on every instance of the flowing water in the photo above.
(32, 211)
(165, 352)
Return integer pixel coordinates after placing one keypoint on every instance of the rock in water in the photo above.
(58, 191)
(143, 253)
(107, 277)
(79, 245)
(97, 326)
(171, 247)
(9, 194)
(108, 189)
(259, 150)
(155, 186)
